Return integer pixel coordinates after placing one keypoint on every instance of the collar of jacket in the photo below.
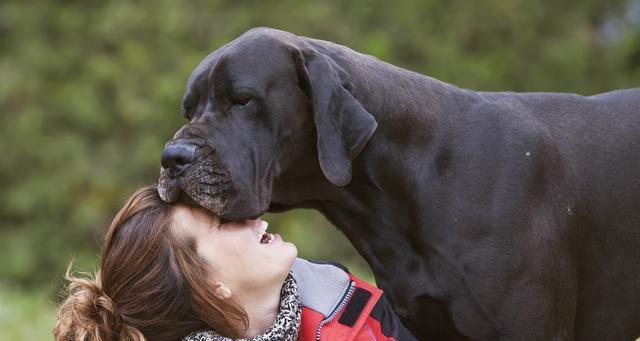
(335, 304)
(322, 287)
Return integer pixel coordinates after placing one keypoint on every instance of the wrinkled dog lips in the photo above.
(206, 183)
(168, 188)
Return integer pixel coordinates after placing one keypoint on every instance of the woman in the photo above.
(169, 271)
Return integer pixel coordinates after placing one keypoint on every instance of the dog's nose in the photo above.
(177, 157)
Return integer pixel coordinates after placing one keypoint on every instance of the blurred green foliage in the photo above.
(90, 92)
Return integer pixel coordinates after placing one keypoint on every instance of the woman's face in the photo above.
(238, 254)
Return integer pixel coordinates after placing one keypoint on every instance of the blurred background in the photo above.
(90, 92)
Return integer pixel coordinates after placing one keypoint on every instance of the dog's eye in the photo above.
(241, 101)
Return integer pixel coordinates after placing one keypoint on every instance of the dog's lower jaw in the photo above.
(240, 216)
(237, 210)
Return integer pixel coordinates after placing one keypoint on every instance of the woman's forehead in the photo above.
(191, 218)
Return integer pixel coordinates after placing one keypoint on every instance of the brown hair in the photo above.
(151, 284)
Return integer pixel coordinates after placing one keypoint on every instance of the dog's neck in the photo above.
(373, 210)
(393, 95)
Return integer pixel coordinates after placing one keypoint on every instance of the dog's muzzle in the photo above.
(191, 174)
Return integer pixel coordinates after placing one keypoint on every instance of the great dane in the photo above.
(484, 215)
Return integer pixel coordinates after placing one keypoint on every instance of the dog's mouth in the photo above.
(206, 183)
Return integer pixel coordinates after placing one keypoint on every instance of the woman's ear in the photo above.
(222, 291)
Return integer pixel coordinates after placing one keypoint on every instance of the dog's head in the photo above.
(263, 106)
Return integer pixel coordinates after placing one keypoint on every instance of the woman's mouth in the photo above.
(267, 238)
(263, 236)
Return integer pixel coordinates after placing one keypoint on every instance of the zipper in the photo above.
(345, 299)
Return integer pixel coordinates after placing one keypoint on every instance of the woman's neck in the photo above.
(262, 309)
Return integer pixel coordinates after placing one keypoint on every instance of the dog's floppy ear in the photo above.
(343, 125)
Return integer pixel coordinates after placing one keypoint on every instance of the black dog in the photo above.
(512, 216)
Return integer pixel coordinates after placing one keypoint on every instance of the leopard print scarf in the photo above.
(285, 327)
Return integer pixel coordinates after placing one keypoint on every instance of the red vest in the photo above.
(351, 320)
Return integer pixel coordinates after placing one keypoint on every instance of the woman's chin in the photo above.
(288, 256)
(293, 253)
(280, 256)
(282, 251)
